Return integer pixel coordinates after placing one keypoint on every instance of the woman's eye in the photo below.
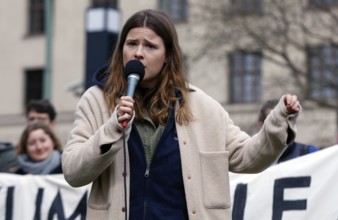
(131, 43)
(151, 46)
(31, 143)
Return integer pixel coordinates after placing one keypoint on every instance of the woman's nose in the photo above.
(139, 52)
(38, 146)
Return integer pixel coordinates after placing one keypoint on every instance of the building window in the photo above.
(247, 6)
(176, 9)
(245, 73)
(36, 17)
(33, 84)
(323, 3)
(323, 72)
(104, 3)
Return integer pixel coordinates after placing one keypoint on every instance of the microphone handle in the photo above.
(132, 83)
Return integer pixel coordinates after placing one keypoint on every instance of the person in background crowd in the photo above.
(176, 142)
(36, 110)
(294, 149)
(39, 150)
(41, 110)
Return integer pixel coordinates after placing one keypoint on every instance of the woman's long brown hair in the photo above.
(171, 81)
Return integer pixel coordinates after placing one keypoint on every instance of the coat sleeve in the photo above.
(94, 140)
(256, 153)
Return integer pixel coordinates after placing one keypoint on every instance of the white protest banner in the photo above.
(305, 188)
(41, 197)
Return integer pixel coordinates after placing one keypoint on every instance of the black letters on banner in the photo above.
(239, 201)
(38, 203)
(81, 209)
(55, 209)
(9, 203)
(279, 204)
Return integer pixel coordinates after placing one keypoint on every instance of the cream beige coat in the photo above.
(210, 147)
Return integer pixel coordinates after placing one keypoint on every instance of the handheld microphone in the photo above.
(134, 73)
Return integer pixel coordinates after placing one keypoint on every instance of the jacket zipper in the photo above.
(146, 174)
(144, 210)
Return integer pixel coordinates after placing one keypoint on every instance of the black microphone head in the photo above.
(134, 67)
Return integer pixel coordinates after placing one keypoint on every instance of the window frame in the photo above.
(34, 80)
(177, 10)
(104, 3)
(322, 77)
(243, 72)
(36, 17)
(248, 7)
(322, 3)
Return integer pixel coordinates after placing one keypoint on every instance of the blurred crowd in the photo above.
(38, 150)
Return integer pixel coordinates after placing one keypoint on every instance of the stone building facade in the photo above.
(24, 52)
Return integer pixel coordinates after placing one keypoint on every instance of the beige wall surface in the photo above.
(19, 52)
(15, 55)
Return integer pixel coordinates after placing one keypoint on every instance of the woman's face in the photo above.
(39, 145)
(145, 45)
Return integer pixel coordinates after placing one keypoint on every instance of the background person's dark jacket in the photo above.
(296, 149)
(8, 157)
